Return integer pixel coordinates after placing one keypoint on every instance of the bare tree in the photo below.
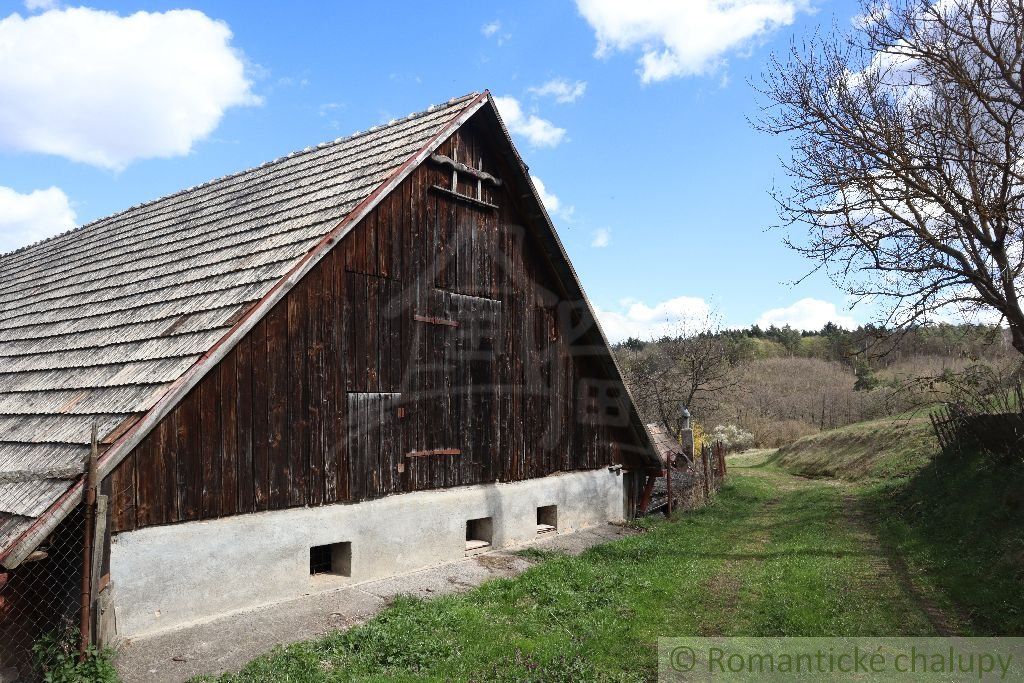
(687, 369)
(907, 132)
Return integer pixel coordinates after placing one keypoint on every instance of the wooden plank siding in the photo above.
(434, 346)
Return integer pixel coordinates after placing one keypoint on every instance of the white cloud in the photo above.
(106, 90)
(806, 314)
(602, 238)
(492, 29)
(637, 319)
(551, 202)
(538, 132)
(37, 5)
(562, 90)
(28, 218)
(684, 37)
(329, 107)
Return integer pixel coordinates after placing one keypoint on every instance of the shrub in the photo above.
(732, 437)
(787, 431)
(866, 380)
(699, 436)
(56, 658)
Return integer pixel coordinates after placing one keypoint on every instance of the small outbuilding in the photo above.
(357, 360)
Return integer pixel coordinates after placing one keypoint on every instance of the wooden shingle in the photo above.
(98, 323)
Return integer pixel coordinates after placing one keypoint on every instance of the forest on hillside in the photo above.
(768, 387)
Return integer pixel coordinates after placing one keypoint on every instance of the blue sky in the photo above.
(654, 177)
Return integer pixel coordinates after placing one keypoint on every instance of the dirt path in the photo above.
(880, 574)
(725, 586)
(751, 546)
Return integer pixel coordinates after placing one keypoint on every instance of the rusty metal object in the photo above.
(435, 321)
(436, 451)
(645, 498)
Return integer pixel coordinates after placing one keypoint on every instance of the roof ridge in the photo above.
(291, 155)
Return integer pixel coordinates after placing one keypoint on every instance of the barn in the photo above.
(357, 360)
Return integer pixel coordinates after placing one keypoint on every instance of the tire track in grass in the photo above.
(724, 588)
(750, 553)
(802, 567)
(940, 620)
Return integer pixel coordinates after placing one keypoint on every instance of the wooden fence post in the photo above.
(85, 615)
(705, 457)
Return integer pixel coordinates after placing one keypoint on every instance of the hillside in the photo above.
(878, 449)
(779, 384)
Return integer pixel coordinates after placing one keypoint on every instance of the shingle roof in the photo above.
(96, 324)
(665, 445)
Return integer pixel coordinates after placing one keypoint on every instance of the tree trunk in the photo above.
(1017, 334)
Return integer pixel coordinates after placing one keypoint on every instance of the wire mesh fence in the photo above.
(40, 602)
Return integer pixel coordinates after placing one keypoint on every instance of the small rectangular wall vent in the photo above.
(335, 558)
(547, 519)
(478, 533)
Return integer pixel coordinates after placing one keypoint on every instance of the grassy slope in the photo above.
(598, 616)
(958, 524)
(960, 527)
(880, 449)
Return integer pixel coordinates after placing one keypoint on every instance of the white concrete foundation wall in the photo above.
(169, 576)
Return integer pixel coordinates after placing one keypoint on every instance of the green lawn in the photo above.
(897, 543)
(823, 575)
(956, 523)
(775, 555)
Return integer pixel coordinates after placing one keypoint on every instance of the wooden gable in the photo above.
(442, 342)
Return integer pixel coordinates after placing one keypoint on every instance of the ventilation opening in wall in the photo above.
(335, 559)
(547, 519)
(478, 533)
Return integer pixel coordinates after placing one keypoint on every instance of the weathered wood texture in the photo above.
(435, 346)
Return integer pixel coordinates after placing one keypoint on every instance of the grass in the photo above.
(880, 449)
(764, 559)
(822, 577)
(960, 528)
(567, 618)
(957, 523)
(751, 458)
(775, 555)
